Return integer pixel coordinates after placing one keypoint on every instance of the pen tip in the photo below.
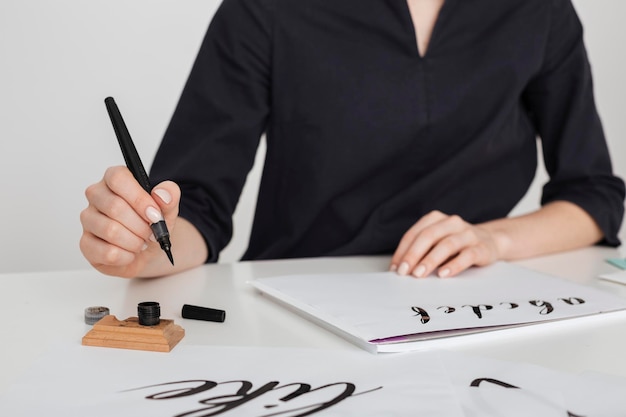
(170, 257)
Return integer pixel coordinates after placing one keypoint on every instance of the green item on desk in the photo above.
(618, 262)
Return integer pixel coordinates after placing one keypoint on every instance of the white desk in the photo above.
(39, 309)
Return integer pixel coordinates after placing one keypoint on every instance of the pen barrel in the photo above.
(131, 157)
(142, 178)
(133, 162)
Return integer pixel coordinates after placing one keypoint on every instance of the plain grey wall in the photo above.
(60, 59)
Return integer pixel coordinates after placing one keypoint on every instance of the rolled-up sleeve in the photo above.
(561, 103)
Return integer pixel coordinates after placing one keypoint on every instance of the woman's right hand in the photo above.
(117, 239)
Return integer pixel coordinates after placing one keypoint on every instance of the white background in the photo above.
(60, 59)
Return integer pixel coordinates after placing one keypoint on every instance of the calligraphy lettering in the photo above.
(476, 383)
(424, 317)
(245, 392)
(182, 392)
(478, 309)
(573, 300)
(547, 307)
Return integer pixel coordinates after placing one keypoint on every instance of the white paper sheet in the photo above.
(492, 388)
(198, 381)
(387, 310)
(619, 277)
(96, 382)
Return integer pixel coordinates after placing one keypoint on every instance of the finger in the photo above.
(111, 205)
(425, 241)
(111, 231)
(99, 252)
(447, 248)
(108, 259)
(167, 195)
(476, 255)
(409, 237)
(122, 183)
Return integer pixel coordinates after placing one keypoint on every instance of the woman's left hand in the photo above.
(445, 243)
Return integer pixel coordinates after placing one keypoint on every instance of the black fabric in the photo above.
(364, 136)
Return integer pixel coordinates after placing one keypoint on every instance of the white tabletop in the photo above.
(41, 309)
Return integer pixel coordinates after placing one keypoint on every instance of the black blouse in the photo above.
(364, 136)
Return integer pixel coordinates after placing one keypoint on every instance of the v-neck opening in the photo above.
(433, 35)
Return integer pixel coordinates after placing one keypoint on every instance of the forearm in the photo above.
(555, 227)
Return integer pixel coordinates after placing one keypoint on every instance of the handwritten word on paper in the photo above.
(541, 307)
(216, 398)
(528, 397)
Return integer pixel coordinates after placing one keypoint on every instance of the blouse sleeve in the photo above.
(211, 141)
(561, 103)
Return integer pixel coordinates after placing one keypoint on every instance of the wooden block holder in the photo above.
(129, 334)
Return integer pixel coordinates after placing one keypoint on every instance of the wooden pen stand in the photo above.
(129, 334)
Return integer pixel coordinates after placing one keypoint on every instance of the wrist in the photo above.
(501, 240)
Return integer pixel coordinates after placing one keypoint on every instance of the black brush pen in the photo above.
(131, 157)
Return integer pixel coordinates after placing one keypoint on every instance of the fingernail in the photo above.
(419, 271)
(152, 238)
(163, 195)
(444, 273)
(154, 215)
(403, 269)
(393, 268)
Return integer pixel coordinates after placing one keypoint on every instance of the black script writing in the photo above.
(424, 317)
(545, 307)
(572, 301)
(476, 383)
(233, 394)
(479, 309)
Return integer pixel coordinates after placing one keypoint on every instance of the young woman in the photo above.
(393, 126)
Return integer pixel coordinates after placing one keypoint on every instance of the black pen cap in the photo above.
(203, 313)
